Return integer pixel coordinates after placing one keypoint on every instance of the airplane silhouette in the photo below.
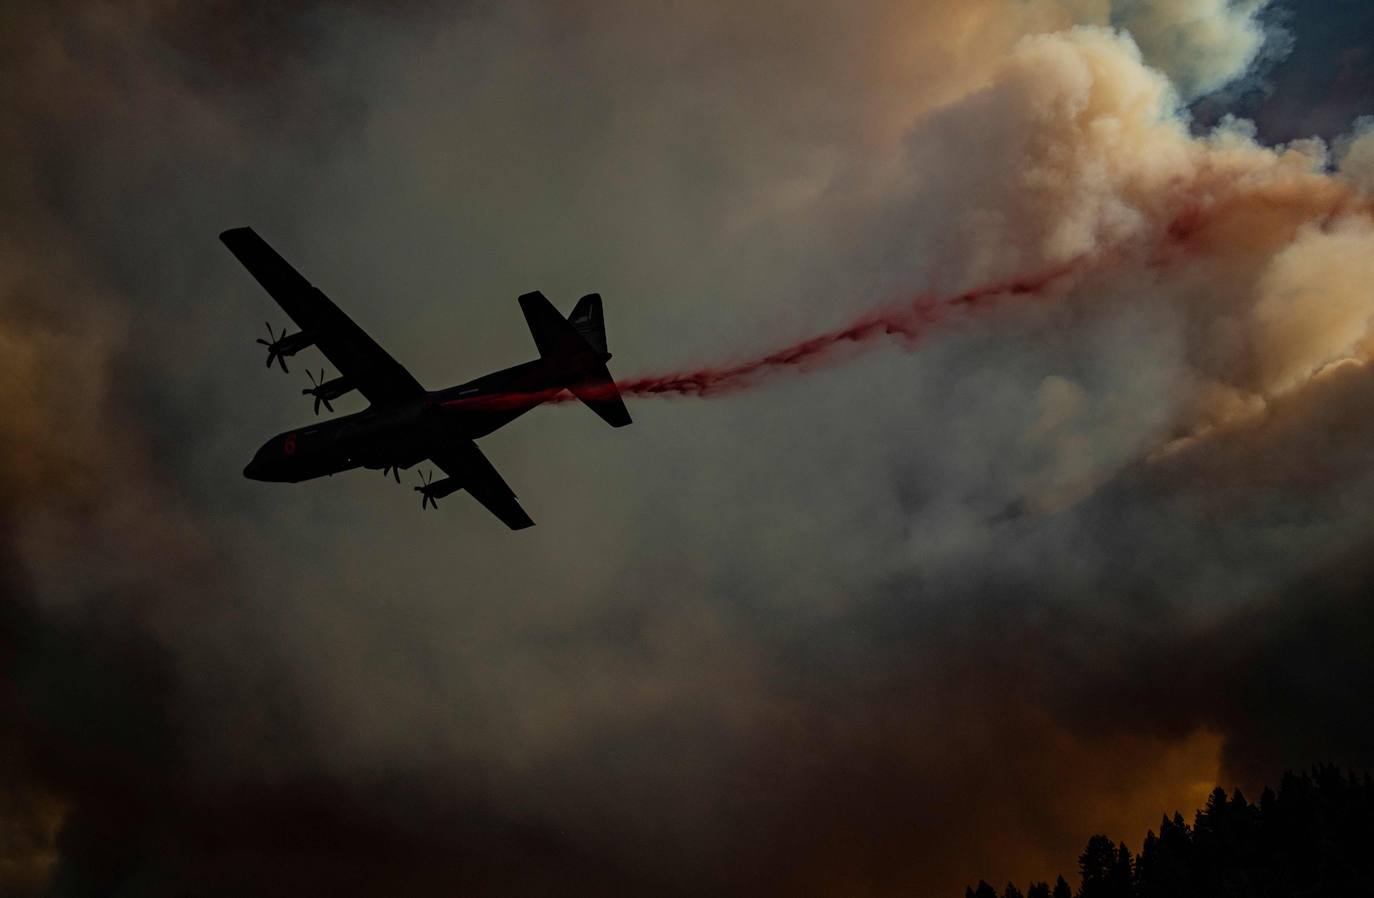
(405, 423)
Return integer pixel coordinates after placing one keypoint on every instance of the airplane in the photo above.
(405, 423)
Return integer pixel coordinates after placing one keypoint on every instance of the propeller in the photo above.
(392, 469)
(273, 348)
(315, 391)
(426, 500)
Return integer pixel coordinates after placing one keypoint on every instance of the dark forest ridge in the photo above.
(1311, 839)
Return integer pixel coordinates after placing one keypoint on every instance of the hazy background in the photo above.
(878, 628)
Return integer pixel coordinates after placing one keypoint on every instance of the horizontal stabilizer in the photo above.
(555, 338)
(600, 394)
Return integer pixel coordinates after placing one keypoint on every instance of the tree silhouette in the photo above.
(1095, 868)
(1122, 879)
(1310, 839)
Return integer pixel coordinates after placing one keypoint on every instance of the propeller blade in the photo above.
(326, 405)
(427, 499)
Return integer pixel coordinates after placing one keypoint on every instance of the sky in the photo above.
(933, 606)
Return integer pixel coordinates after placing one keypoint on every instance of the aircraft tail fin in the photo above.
(576, 348)
(587, 320)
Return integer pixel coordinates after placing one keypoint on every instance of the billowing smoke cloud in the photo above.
(1357, 156)
(1203, 46)
(1097, 167)
(900, 623)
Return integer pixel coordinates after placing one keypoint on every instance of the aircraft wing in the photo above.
(376, 375)
(469, 469)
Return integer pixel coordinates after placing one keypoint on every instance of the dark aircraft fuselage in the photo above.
(405, 423)
(403, 435)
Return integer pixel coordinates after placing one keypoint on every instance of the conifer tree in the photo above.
(1095, 867)
(983, 891)
(1311, 837)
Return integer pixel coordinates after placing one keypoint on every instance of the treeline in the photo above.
(1314, 838)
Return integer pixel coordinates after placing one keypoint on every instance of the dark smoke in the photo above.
(767, 649)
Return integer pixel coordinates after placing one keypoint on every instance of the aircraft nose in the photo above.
(250, 470)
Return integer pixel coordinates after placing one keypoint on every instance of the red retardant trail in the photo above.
(908, 323)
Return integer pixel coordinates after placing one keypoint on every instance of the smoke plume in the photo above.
(885, 628)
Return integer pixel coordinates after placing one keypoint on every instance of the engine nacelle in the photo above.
(432, 491)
